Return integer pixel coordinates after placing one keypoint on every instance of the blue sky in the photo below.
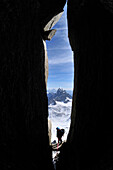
(60, 57)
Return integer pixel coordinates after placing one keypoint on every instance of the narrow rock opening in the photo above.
(59, 70)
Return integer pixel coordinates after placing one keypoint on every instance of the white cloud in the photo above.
(59, 41)
(62, 28)
(59, 84)
(60, 60)
(62, 34)
(62, 48)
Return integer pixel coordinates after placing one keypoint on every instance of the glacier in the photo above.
(60, 116)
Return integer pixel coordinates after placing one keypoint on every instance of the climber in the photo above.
(60, 133)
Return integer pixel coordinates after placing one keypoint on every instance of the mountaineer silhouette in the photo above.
(60, 133)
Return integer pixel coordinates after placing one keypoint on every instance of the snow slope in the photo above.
(60, 116)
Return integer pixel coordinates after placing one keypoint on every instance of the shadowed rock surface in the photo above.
(90, 143)
(24, 142)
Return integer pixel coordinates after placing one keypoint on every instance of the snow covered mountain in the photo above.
(59, 106)
(55, 90)
(61, 96)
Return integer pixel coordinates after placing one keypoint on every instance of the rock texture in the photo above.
(24, 142)
(52, 21)
(49, 130)
(48, 35)
(46, 62)
(90, 143)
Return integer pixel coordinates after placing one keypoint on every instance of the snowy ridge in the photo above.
(60, 116)
(60, 95)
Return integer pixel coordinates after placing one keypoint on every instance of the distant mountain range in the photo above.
(55, 90)
(51, 91)
(59, 107)
(58, 95)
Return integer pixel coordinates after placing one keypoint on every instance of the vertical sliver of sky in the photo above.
(60, 57)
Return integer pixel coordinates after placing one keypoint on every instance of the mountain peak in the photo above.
(61, 95)
(60, 91)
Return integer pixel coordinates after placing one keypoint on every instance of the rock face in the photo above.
(49, 130)
(90, 142)
(49, 34)
(46, 62)
(24, 142)
(52, 21)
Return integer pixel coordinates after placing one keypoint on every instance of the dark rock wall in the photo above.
(23, 100)
(90, 141)
(24, 139)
